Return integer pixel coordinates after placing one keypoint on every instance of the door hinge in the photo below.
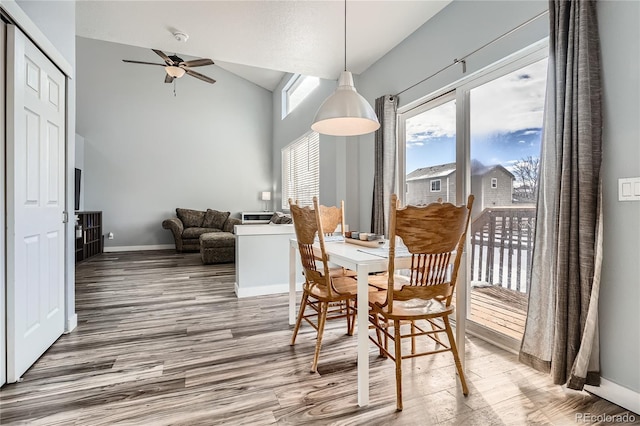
(65, 217)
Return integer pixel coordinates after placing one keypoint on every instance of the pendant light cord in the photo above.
(345, 35)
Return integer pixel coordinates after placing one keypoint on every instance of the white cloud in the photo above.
(510, 103)
(434, 123)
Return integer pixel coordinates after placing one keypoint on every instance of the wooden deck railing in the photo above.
(501, 247)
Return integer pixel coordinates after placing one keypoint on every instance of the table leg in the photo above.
(292, 284)
(363, 336)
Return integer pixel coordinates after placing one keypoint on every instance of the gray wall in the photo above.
(148, 152)
(619, 23)
(459, 29)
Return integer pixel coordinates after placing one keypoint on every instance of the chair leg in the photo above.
(351, 319)
(377, 325)
(398, 352)
(454, 349)
(303, 306)
(413, 337)
(322, 318)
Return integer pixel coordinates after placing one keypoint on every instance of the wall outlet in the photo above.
(111, 235)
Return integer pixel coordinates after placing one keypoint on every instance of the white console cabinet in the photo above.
(256, 217)
(262, 259)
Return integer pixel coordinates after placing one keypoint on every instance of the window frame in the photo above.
(494, 183)
(290, 88)
(438, 181)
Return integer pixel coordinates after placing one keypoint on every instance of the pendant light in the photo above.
(345, 112)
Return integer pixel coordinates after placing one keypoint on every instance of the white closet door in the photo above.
(35, 178)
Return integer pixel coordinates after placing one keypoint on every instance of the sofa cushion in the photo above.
(190, 218)
(195, 232)
(216, 240)
(215, 219)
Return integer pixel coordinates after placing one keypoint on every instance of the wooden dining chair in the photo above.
(331, 217)
(434, 236)
(325, 294)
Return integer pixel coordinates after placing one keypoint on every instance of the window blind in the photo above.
(301, 170)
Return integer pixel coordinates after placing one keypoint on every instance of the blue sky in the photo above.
(506, 121)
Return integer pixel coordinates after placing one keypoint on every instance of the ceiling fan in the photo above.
(176, 67)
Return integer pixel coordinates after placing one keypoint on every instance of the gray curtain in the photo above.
(384, 180)
(561, 333)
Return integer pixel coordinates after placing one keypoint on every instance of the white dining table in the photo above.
(353, 257)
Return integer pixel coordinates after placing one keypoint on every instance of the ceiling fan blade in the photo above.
(197, 62)
(167, 59)
(200, 76)
(168, 79)
(142, 62)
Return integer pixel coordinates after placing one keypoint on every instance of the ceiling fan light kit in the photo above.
(345, 112)
(175, 72)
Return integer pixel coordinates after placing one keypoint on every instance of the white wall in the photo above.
(464, 26)
(148, 152)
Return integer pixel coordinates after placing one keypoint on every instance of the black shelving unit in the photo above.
(88, 234)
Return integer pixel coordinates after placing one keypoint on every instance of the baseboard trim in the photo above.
(72, 323)
(263, 290)
(139, 248)
(617, 394)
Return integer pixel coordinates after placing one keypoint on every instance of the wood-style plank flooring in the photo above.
(162, 339)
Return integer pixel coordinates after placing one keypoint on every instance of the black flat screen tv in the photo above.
(77, 199)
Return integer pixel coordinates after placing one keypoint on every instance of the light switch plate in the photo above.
(629, 189)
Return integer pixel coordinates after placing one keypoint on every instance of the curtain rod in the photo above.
(463, 61)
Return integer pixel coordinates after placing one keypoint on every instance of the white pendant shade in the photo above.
(345, 112)
(175, 72)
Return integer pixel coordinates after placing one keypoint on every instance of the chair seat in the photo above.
(346, 287)
(382, 281)
(342, 272)
(409, 309)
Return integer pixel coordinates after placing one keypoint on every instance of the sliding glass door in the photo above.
(505, 128)
(483, 137)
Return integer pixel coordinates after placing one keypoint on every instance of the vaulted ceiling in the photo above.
(260, 40)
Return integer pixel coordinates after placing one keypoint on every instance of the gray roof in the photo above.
(444, 170)
(441, 170)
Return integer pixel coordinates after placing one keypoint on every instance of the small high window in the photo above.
(494, 183)
(296, 90)
(436, 185)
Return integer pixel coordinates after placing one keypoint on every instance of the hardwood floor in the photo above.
(162, 339)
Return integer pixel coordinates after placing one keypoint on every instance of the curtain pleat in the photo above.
(384, 180)
(561, 332)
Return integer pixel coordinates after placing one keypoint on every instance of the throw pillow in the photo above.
(279, 218)
(190, 218)
(215, 219)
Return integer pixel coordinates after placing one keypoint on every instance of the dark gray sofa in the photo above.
(189, 225)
